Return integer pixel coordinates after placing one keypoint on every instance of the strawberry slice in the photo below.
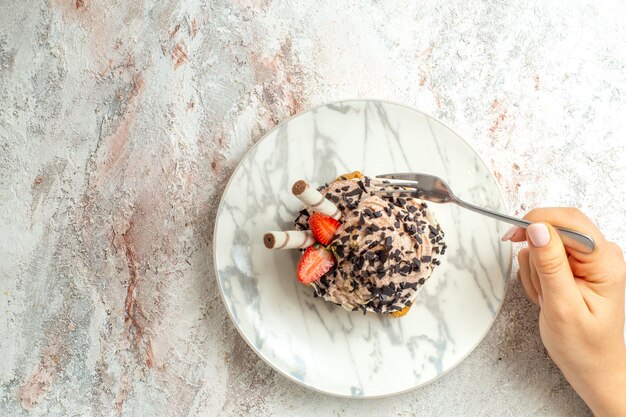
(323, 227)
(315, 262)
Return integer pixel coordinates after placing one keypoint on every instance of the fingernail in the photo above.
(538, 234)
(509, 233)
(540, 298)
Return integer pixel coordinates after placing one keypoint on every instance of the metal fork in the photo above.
(432, 188)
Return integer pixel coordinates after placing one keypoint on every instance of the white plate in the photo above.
(314, 342)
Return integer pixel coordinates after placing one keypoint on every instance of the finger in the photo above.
(571, 218)
(524, 275)
(603, 269)
(515, 234)
(605, 275)
(580, 269)
(547, 253)
(534, 279)
(574, 265)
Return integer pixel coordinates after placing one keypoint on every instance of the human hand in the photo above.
(582, 305)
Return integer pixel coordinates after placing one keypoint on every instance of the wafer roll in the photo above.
(293, 239)
(313, 198)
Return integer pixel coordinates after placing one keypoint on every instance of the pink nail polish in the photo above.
(538, 234)
(509, 233)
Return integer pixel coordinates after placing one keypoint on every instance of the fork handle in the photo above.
(571, 238)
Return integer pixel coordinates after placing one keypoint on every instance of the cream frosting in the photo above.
(386, 248)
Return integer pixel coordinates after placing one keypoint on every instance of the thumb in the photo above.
(547, 254)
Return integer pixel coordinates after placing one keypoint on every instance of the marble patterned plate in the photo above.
(319, 344)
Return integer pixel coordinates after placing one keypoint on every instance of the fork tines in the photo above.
(399, 189)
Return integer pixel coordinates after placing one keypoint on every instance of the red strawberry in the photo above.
(323, 227)
(315, 262)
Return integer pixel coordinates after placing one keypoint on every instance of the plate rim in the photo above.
(221, 289)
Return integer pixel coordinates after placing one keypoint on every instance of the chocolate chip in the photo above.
(416, 264)
(359, 263)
